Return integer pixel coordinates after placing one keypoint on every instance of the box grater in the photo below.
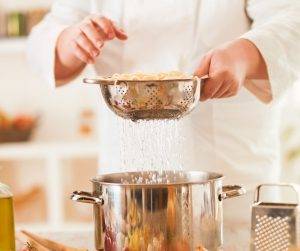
(275, 226)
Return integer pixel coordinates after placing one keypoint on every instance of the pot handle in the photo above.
(85, 197)
(231, 191)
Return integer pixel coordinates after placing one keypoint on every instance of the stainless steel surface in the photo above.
(185, 213)
(150, 99)
(86, 197)
(231, 192)
(275, 226)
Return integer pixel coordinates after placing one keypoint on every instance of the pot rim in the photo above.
(213, 177)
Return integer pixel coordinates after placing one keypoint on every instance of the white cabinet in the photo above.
(45, 175)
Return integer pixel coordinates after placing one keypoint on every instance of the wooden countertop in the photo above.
(236, 238)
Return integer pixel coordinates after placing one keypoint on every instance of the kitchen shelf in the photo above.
(12, 45)
(43, 150)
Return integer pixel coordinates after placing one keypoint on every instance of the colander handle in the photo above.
(295, 187)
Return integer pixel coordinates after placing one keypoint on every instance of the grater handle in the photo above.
(295, 187)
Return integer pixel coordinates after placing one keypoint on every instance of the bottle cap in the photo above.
(5, 191)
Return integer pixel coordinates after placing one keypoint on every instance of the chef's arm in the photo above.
(42, 41)
(60, 46)
(228, 66)
(276, 33)
(265, 60)
(81, 44)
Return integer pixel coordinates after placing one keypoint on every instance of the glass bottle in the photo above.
(7, 229)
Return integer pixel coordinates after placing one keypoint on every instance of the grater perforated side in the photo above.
(275, 226)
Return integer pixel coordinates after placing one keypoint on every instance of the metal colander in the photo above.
(275, 226)
(150, 99)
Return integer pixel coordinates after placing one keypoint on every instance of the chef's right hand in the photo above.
(85, 40)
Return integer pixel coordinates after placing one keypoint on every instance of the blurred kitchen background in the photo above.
(55, 148)
(54, 132)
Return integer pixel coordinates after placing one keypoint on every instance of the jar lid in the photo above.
(5, 191)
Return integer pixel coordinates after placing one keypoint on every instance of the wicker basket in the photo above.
(13, 135)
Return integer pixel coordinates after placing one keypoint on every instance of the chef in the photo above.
(249, 49)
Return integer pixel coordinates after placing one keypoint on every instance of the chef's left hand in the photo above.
(227, 68)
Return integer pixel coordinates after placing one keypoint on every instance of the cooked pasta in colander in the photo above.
(149, 76)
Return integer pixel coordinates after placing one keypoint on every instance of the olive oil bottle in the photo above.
(7, 230)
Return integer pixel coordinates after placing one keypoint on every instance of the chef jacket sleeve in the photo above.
(42, 40)
(276, 33)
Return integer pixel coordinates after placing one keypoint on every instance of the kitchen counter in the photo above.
(236, 238)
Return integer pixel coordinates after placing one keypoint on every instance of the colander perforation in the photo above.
(161, 99)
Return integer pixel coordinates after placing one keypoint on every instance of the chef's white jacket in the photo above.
(238, 136)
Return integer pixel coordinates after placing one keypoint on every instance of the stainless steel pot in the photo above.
(182, 212)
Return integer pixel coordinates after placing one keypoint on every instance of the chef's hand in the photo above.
(227, 68)
(81, 43)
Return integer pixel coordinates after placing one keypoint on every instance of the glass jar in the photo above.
(86, 123)
(7, 229)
